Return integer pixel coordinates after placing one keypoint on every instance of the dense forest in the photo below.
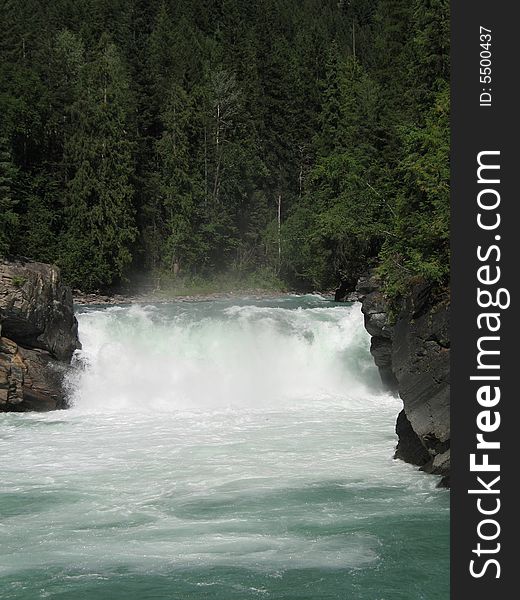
(294, 140)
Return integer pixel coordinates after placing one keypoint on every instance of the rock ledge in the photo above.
(38, 335)
(412, 352)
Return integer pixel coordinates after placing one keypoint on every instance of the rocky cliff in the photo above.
(38, 335)
(412, 351)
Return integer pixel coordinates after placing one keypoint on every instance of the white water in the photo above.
(205, 436)
(239, 356)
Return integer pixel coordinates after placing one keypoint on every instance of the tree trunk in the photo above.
(279, 231)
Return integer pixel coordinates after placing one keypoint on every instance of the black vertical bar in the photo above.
(478, 127)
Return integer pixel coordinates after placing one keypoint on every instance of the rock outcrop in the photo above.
(38, 335)
(412, 351)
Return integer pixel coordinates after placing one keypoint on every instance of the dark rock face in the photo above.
(409, 447)
(38, 335)
(377, 323)
(345, 289)
(29, 379)
(36, 308)
(413, 356)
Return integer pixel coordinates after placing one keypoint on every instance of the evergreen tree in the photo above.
(302, 138)
(180, 191)
(331, 113)
(8, 216)
(99, 212)
(420, 245)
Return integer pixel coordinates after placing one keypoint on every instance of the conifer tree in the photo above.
(8, 216)
(202, 136)
(99, 212)
(180, 190)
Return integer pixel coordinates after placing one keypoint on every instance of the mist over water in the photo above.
(226, 450)
(199, 357)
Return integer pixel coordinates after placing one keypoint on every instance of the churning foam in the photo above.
(217, 445)
(180, 356)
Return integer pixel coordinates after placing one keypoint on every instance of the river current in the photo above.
(223, 450)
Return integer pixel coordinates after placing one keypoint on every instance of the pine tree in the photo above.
(295, 135)
(8, 216)
(179, 190)
(420, 245)
(99, 211)
(331, 113)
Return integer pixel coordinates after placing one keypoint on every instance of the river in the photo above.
(223, 450)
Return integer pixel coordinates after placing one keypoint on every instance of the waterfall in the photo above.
(223, 450)
(197, 357)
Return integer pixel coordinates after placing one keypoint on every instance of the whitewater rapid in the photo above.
(219, 450)
(156, 358)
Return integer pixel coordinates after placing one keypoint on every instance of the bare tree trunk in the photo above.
(205, 164)
(216, 182)
(304, 164)
(300, 175)
(217, 134)
(154, 256)
(354, 39)
(279, 231)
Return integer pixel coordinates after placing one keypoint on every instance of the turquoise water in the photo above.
(219, 450)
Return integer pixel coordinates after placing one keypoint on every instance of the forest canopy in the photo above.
(301, 139)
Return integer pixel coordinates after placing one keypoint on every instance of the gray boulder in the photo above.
(411, 347)
(38, 335)
(36, 309)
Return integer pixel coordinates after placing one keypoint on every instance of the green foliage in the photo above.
(38, 230)
(207, 140)
(420, 245)
(8, 216)
(179, 189)
(98, 213)
(232, 282)
(18, 281)
(339, 225)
